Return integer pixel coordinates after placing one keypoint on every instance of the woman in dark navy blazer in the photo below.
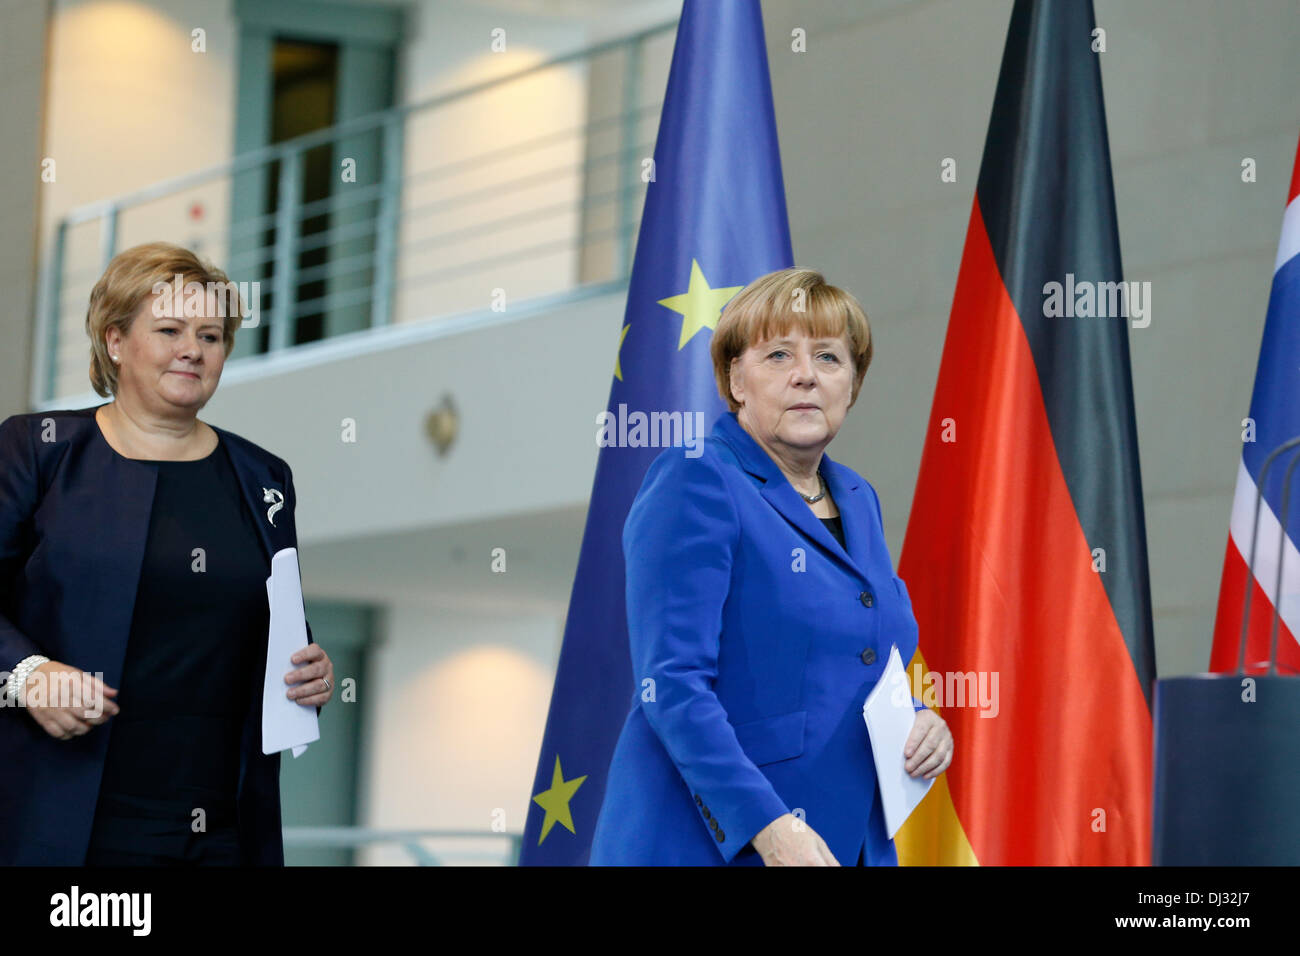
(135, 543)
(762, 605)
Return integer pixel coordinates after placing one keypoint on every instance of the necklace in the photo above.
(813, 499)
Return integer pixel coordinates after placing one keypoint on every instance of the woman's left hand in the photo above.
(929, 745)
(312, 679)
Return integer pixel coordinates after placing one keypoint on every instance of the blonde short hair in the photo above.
(765, 309)
(129, 279)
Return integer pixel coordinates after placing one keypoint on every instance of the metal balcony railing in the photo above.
(518, 188)
(423, 847)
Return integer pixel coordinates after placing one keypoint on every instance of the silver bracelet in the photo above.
(13, 689)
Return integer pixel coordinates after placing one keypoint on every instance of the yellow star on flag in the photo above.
(555, 801)
(618, 360)
(700, 306)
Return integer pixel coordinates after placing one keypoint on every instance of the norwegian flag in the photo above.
(1274, 418)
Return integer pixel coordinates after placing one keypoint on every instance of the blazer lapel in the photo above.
(126, 488)
(258, 484)
(846, 488)
(256, 480)
(780, 494)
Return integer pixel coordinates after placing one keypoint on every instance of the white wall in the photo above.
(472, 162)
(456, 707)
(129, 104)
(527, 390)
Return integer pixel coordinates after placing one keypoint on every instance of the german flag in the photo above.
(1025, 552)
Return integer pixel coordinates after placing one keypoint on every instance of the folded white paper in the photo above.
(285, 723)
(889, 714)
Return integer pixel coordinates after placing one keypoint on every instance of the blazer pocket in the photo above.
(770, 739)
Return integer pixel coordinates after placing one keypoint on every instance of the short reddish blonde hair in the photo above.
(766, 308)
(130, 279)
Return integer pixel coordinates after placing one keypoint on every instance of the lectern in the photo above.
(1227, 746)
(1227, 771)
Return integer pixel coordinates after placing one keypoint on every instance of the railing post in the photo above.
(108, 237)
(381, 298)
(421, 856)
(627, 166)
(283, 319)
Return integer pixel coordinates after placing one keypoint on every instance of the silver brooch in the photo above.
(276, 499)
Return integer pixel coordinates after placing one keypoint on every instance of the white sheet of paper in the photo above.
(285, 723)
(889, 715)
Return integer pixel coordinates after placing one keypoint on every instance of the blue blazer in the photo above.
(74, 518)
(755, 639)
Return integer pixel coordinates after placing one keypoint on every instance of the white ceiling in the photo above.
(452, 566)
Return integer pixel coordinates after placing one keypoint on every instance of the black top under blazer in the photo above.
(74, 520)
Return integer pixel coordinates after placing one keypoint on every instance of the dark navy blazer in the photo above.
(74, 518)
(755, 639)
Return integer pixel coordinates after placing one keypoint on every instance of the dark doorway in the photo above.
(304, 96)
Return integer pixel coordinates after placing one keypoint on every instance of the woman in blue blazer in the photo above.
(135, 543)
(762, 604)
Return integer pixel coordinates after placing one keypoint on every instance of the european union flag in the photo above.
(714, 220)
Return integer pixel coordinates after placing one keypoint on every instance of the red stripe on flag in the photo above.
(1227, 624)
(1002, 582)
(1295, 179)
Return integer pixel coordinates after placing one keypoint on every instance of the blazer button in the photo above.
(706, 813)
(698, 800)
(869, 656)
(866, 598)
(721, 836)
(714, 823)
